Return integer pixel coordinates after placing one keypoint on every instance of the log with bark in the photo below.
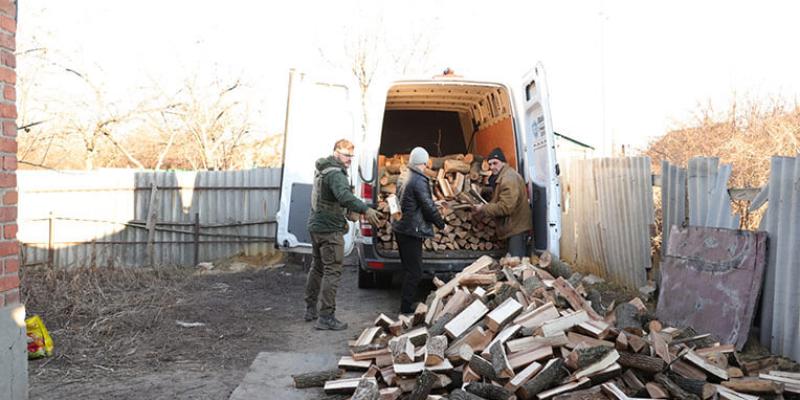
(316, 379)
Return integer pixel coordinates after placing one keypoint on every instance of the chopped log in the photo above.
(435, 350)
(344, 386)
(502, 314)
(687, 370)
(502, 368)
(628, 318)
(456, 303)
(633, 382)
(459, 166)
(465, 353)
(583, 382)
(754, 385)
(791, 385)
(523, 376)
(656, 391)
(501, 338)
(728, 394)
(575, 339)
(595, 328)
(479, 280)
(551, 375)
(366, 390)
(475, 267)
(476, 338)
(482, 367)
(660, 346)
(460, 394)
(725, 348)
(637, 344)
(537, 317)
(622, 342)
(535, 342)
(561, 324)
(390, 393)
(696, 386)
(460, 323)
(674, 390)
(438, 327)
(367, 336)
(591, 393)
(348, 363)
(419, 314)
(693, 358)
(403, 351)
(607, 361)
(641, 362)
(423, 387)
(488, 391)
(316, 379)
(519, 360)
(383, 321)
(575, 300)
(581, 358)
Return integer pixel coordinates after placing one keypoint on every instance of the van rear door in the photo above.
(318, 114)
(542, 164)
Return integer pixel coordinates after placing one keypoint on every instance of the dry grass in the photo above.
(98, 316)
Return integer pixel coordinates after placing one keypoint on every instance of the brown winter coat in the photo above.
(509, 204)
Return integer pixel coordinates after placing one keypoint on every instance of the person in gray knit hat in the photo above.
(419, 212)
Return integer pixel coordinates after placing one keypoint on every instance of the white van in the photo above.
(446, 115)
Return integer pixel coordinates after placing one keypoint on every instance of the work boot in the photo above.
(311, 313)
(330, 323)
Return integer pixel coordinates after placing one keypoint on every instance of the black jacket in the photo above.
(417, 206)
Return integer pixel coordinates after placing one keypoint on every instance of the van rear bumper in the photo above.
(445, 267)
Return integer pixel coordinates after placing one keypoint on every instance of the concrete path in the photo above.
(270, 376)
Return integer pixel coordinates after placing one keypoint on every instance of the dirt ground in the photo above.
(126, 343)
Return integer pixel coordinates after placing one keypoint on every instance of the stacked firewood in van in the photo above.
(519, 330)
(457, 182)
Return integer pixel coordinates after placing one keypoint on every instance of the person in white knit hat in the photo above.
(419, 212)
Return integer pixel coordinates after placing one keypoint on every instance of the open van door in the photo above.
(540, 149)
(317, 115)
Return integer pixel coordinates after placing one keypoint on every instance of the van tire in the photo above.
(366, 279)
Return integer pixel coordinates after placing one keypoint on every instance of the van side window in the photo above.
(529, 89)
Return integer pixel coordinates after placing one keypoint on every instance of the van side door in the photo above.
(318, 113)
(540, 148)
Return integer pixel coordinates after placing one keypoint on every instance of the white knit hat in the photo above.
(418, 156)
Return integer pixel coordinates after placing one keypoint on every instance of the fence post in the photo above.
(196, 238)
(50, 235)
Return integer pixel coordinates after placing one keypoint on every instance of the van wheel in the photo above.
(383, 280)
(366, 279)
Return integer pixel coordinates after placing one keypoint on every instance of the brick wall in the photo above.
(9, 248)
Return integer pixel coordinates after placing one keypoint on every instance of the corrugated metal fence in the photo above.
(608, 211)
(780, 310)
(100, 217)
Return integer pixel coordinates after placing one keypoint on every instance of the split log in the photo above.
(551, 375)
(754, 385)
(656, 391)
(438, 327)
(316, 379)
(488, 391)
(641, 362)
(674, 390)
(502, 368)
(701, 388)
(459, 166)
(424, 385)
(460, 394)
(403, 351)
(435, 350)
(581, 358)
(482, 367)
(366, 390)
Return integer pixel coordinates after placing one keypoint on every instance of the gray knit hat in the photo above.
(418, 156)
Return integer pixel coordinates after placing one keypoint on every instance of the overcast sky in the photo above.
(630, 69)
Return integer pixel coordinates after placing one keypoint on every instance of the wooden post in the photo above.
(196, 238)
(50, 236)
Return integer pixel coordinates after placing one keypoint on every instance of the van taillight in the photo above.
(366, 228)
(366, 192)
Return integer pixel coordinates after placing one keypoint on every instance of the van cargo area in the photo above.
(455, 121)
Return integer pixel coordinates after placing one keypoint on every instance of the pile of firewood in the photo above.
(513, 330)
(458, 181)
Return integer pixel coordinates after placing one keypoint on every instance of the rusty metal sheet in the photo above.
(710, 280)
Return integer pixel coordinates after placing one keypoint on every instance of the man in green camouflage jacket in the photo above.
(332, 200)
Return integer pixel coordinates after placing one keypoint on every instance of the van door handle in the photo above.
(558, 170)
